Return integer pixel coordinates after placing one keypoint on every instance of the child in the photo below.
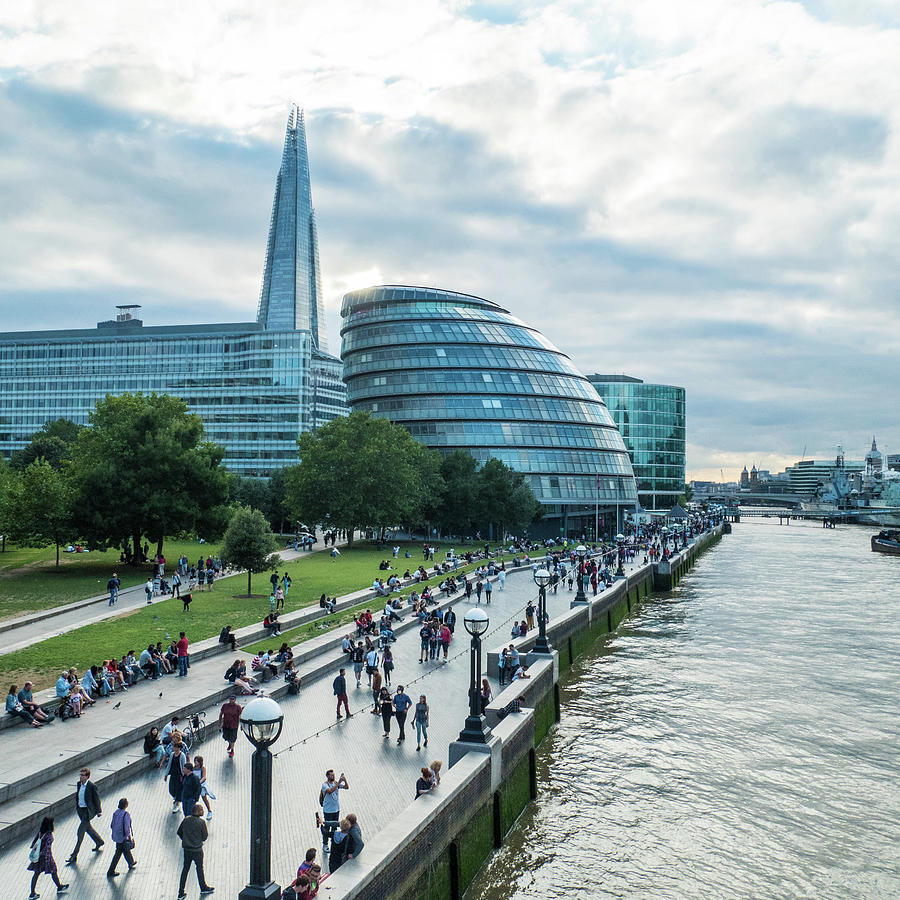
(205, 793)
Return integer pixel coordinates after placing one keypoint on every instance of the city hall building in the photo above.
(461, 373)
(256, 385)
(651, 420)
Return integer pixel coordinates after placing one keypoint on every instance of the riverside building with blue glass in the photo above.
(460, 372)
(651, 420)
(256, 385)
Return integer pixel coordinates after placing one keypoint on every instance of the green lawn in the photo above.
(226, 603)
(30, 580)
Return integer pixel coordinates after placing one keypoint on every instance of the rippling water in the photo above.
(736, 738)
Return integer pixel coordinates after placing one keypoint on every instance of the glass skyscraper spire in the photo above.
(256, 385)
(291, 295)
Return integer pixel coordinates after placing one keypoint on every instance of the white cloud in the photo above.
(704, 193)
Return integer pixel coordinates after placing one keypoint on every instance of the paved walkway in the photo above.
(381, 773)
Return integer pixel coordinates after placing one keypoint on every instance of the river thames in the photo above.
(736, 738)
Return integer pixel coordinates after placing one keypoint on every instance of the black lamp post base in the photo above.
(475, 732)
(270, 891)
(542, 645)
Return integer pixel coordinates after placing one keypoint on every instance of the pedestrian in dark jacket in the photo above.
(87, 805)
(193, 833)
(339, 686)
(190, 789)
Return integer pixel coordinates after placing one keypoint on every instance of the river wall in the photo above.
(435, 847)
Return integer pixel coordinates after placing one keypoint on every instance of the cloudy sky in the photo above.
(702, 193)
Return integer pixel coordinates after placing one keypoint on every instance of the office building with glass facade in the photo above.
(460, 372)
(650, 418)
(256, 385)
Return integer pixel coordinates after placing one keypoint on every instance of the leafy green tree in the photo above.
(253, 492)
(7, 479)
(38, 506)
(504, 498)
(455, 511)
(358, 471)
(53, 442)
(143, 469)
(249, 543)
(275, 510)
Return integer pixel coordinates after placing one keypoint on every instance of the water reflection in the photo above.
(737, 738)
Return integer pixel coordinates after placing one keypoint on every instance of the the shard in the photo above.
(291, 295)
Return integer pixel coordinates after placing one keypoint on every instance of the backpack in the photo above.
(293, 687)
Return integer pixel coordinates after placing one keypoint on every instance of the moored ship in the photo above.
(886, 542)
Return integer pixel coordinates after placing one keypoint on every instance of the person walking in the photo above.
(488, 590)
(330, 801)
(376, 692)
(190, 789)
(339, 686)
(402, 703)
(87, 805)
(123, 837)
(479, 587)
(148, 590)
(175, 772)
(229, 722)
(421, 720)
(357, 657)
(176, 586)
(183, 659)
(387, 710)
(40, 858)
(372, 662)
(113, 587)
(387, 662)
(501, 577)
(193, 832)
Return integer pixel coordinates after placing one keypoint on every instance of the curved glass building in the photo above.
(460, 372)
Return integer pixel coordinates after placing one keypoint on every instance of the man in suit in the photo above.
(87, 805)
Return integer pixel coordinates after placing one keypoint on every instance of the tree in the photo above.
(53, 442)
(249, 543)
(143, 469)
(359, 471)
(455, 510)
(504, 498)
(38, 506)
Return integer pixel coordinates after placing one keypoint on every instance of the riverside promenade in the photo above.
(382, 774)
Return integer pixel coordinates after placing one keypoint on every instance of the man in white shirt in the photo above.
(331, 805)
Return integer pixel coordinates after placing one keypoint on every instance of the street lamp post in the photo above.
(581, 552)
(542, 578)
(261, 722)
(620, 555)
(476, 732)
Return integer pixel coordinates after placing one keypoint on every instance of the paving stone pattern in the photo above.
(381, 773)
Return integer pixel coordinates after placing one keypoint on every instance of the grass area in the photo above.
(30, 581)
(225, 604)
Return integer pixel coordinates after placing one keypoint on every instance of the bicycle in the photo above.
(193, 732)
